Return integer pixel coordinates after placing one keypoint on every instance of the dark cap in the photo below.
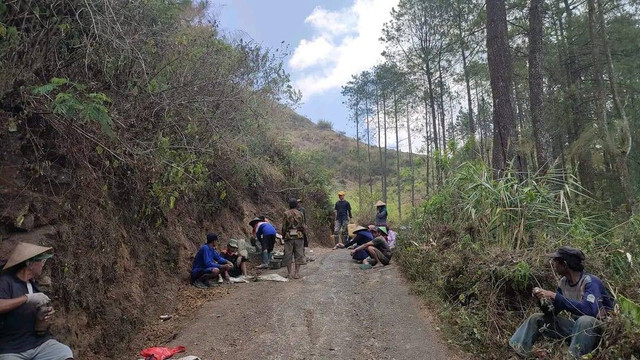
(568, 253)
(293, 203)
(211, 237)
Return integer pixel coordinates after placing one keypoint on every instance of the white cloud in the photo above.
(345, 42)
(310, 53)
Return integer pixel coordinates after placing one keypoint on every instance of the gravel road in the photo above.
(336, 311)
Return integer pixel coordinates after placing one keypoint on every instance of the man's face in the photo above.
(231, 249)
(341, 197)
(36, 267)
(559, 266)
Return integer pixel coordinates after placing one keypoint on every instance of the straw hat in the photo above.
(359, 228)
(380, 203)
(255, 221)
(341, 192)
(23, 252)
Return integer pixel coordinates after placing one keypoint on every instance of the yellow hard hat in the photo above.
(341, 193)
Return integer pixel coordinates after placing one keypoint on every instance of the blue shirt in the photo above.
(265, 229)
(362, 237)
(587, 297)
(207, 258)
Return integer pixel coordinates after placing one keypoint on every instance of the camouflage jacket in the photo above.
(293, 224)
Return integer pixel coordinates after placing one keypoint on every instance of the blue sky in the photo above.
(328, 40)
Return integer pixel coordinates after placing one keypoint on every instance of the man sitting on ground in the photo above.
(25, 311)
(377, 249)
(580, 294)
(208, 264)
(232, 255)
(362, 236)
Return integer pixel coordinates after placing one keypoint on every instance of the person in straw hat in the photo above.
(362, 236)
(377, 249)
(381, 214)
(265, 233)
(24, 310)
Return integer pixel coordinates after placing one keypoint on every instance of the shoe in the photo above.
(200, 284)
(211, 283)
(263, 266)
(365, 266)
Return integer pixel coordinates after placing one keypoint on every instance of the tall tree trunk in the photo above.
(500, 75)
(379, 134)
(426, 141)
(442, 115)
(384, 166)
(398, 183)
(540, 132)
(472, 124)
(413, 180)
(369, 165)
(578, 115)
(358, 156)
(434, 119)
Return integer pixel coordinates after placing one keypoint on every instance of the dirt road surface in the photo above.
(336, 311)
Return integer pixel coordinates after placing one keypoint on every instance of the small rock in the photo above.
(26, 223)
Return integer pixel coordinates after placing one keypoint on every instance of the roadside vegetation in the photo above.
(477, 248)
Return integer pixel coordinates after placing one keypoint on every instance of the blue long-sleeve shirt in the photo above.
(587, 297)
(362, 237)
(207, 258)
(265, 229)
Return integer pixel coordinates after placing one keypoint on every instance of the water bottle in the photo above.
(42, 326)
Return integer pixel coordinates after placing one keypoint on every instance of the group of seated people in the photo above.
(209, 265)
(373, 245)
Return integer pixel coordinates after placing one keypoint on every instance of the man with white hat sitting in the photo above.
(25, 311)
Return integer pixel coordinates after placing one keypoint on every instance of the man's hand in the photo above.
(37, 299)
(545, 294)
(48, 314)
(352, 252)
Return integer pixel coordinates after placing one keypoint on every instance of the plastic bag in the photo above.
(161, 353)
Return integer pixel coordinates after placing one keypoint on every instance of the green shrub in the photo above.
(325, 125)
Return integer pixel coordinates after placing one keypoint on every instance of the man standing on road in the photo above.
(208, 264)
(266, 234)
(581, 294)
(293, 230)
(377, 249)
(25, 311)
(342, 215)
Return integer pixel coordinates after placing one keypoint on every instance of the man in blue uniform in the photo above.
(581, 294)
(208, 264)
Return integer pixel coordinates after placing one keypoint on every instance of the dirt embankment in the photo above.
(116, 268)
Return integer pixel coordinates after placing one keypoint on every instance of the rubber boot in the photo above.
(265, 260)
